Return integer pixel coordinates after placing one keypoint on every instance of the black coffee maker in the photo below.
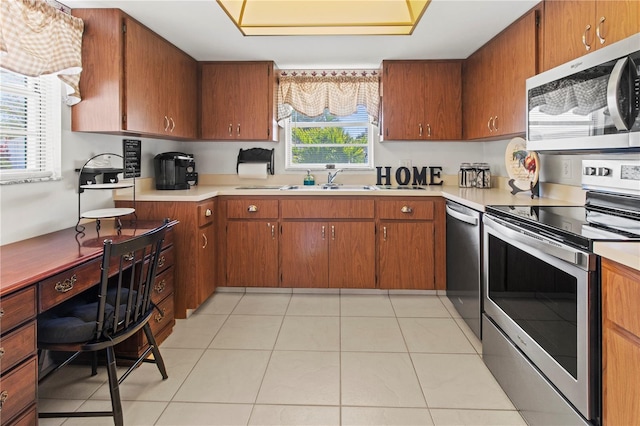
(175, 170)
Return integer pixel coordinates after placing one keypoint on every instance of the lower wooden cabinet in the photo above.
(252, 253)
(620, 344)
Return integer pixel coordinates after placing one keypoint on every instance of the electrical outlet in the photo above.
(566, 169)
(404, 163)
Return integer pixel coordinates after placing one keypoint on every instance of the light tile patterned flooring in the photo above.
(303, 359)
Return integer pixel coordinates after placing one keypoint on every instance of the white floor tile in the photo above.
(458, 381)
(195, 332)
(434, 335)
(201, 414)
(248, 332)
(372, 334)
(375, 416)
(262, 304)
(476, 418)
(379, 379)
(225, 376)
(294, 415)
(314, 304)
(418, 306)
(309, 334)
(220, 303)
(72, 382)
(302, 378)
(355, 305)
(471, 337)
(139, 413)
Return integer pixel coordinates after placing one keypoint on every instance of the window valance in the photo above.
(310, 92)
(37, 39)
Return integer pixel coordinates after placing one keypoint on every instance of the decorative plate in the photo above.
(522, 166)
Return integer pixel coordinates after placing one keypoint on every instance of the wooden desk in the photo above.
(41, 272)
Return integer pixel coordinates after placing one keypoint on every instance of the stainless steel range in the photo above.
(541, 327)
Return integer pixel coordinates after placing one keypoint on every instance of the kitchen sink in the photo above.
(329, 187)
(260, 187)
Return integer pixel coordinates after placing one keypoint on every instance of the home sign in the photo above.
(413, 176)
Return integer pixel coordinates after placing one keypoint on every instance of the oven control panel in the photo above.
(620, 176)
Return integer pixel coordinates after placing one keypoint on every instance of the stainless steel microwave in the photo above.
(589, 104)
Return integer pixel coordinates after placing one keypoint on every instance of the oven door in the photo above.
(542, 294)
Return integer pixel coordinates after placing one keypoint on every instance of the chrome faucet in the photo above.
(332, 176)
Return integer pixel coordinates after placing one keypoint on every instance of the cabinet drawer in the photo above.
(28, 418)
(17, 345)
(409, 209)
(18, 389)
(252, 209)
(17, 308)
(327, 209)
(65, 285)
(205, 213)
(160, 320)
(163, 285)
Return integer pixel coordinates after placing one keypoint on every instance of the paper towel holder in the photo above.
(257, 155)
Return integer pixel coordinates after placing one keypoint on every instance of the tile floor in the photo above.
(303, 359)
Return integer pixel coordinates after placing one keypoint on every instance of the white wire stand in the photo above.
(87, 175)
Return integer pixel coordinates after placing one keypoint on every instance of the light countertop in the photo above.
(626, 253)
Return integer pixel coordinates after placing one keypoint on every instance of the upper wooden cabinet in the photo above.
(421, 100)
(573, 28)
(133, 81)
(237, 101)
(494, 81)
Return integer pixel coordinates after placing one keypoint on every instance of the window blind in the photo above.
(30, 127)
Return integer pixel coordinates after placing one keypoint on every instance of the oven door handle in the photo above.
(545, 245)
(461, 216)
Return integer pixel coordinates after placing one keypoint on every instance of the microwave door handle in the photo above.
(612, 94)
(545, 245)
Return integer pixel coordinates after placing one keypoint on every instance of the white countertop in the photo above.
(626, 253)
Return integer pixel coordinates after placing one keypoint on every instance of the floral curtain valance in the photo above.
(310, 92)
(37, 39)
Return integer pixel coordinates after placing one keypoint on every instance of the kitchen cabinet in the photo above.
(237, 101)
(421, 100)
(18, 369)
(252, 242)
(575, 28)
(194, 242)
(620, 344)
(133, 81)
(406, 236)
(494, 81)
(327, 242)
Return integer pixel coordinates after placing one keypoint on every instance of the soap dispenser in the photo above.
(309, 179)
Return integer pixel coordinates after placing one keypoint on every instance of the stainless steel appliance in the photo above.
(464, 248)
(541, 326)
(175, 170)
(590, 103)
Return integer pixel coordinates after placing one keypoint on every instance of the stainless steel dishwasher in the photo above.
(464, 251)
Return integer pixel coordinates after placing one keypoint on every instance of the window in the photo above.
(30, 127)
(313, 142)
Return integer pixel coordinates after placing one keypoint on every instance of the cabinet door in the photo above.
(352, 255)
(406, 255)
(443, 103)
(145, 102)
(253, 111)
(475, 105)
(219, 82)
(616, 20)
(252, 254)
(565, 24)
(181, 76)
(205, 261)
(403, 100)
(304, 254)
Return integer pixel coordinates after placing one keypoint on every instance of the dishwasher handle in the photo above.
(462, 217)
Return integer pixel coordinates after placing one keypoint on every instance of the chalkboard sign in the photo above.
(132, 154)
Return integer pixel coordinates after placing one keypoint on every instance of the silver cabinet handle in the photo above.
(429, 130)
(208, 213)
(205, 241)
(406, 209)
(495, 123)
(333, 232)
(599, 30)
(587, 46)
(166, 123)
(230, 129)
(420, 127)
(489, 124)
(273, 230)
(323, 232)
(252, 208)
(238, 129)
(384, 233)
(173, 124)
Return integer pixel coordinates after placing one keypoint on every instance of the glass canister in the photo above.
(483, 175)
(466, 176)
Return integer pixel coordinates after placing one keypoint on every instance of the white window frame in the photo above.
(371, 130)
(43, 130)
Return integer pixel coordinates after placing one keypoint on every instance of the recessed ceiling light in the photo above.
(325, 17)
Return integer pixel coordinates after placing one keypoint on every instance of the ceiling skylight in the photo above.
(325, 17)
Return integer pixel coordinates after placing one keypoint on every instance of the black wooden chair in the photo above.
(118, 308)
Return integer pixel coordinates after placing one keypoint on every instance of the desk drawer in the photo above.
(18, 389)
(17, 308)
(405, 209)
(166, 260)
(28, 418)
(65, 285)
(160, 320)
(162, 286)
(252, 209)
(17, 345)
